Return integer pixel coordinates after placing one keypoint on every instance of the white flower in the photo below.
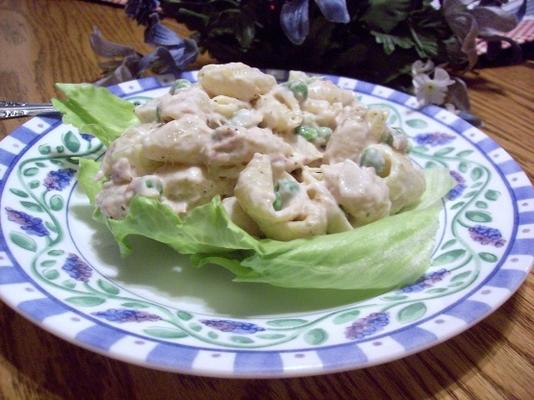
(419, 67)
(431, 91)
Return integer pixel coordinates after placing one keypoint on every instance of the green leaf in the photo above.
(461, 275)
(55, 253)
(184, 315)
(212, 335)
(488, 257)
(108, 287)
(481, 204)
(470, 194)
(69, 284)
(51, 274)
(457, 205)
(165, 333)
(60, 149)
(315, 336)
(86, 174)
(40, 164)
(286, 323)
(417, 123)
(95, 110)
(492, 195)
(18, 192)
(51, 226)
(270, 336)
(134, 304)
(56, 202)
(421, 149)
(385, 15)
(395, 297)
(22, 240)
(478, 216)
(389, 42)
(463, 166)
(477, 184)
(412, 312)
(436, 290)
(443, 151)
(476, 173)
(448, 257)
(431, 164)
(32, 171)
(57, 162)
(34, 184)
(71, 142)
(241, 339)
(425, 45)
(448, 243)
(44, 149)
(208, 234)
(346, 317)
(456, 284)
(85, 301)
(195, 327)
(464, 153)
(31, 206)
(48, 263)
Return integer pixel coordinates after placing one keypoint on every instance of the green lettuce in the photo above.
(95, 110)
(382, 255)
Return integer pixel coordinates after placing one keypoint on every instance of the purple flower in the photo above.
(141, 10)
(60, 179)
(486, 235)
(367, 326)
(29, 224)
(459, 188)
(77, 268)
(426, 281)
(434, 138)
(232, 326)
(294, 16)
(125, 315)
(86, 136)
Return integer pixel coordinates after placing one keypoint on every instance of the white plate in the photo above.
(62, 270)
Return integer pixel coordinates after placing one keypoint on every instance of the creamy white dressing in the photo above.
(285, 161)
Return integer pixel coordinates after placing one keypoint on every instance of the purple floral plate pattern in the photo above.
(60, 270)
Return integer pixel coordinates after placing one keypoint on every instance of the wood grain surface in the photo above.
(42, 42)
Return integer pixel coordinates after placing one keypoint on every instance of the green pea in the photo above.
(307, 132)
(277, 203)
(324, 132)
(387, 137)
(396, 138)
(179, 84)
(284, 190)
(153, 184)
(374, 158)
(299, 89)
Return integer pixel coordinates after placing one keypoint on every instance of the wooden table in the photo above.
(492, 360)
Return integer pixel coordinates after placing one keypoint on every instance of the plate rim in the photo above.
(150, 83)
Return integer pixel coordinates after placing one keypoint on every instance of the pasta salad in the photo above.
(291, 160)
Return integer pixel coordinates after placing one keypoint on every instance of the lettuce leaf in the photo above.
(86, 178)
(382, 255)
(95, 110)
(385, 254)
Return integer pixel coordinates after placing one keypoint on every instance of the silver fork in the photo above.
(14, 109)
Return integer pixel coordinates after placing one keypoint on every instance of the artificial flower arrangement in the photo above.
(419, 45)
